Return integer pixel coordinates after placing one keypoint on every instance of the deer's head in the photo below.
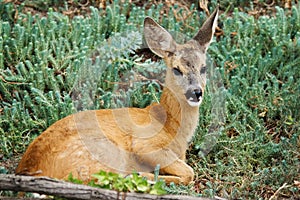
(186, 72)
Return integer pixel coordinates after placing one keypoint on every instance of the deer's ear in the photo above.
(157, 38)
(206, 32)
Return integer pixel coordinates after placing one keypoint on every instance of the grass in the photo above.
(246, 147)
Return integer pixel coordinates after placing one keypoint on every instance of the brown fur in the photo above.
(127, 139)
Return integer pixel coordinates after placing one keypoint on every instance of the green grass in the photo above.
(56, 65)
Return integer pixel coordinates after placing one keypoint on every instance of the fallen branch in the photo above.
(49, 186)
(277, 191)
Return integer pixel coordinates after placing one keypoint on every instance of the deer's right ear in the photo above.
(157, 38)
(205, 34)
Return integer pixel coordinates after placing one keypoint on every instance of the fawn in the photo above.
(133, 139)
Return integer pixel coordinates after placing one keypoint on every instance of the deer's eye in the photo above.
(203, 70)
(188, 64)
(177, 71)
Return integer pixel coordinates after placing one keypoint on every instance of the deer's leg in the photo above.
(168, 179)
(178, 172)
(180, 169)
(183, 157)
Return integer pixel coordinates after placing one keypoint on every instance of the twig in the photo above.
(277, 191)
(12, 83)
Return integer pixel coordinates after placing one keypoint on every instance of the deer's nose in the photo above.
(198, 93)
(194, 94)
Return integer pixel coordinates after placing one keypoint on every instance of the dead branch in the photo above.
(49, 186)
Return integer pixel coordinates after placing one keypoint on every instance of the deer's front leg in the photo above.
(179, 169)
(178, 172)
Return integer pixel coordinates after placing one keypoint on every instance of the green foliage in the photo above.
(43, 59)
(54, 65)
(133, 183)
(72, 179)
(258, 150)
(253, 6)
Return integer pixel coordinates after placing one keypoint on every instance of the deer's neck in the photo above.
(181, 117)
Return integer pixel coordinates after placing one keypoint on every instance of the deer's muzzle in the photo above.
(194, 96)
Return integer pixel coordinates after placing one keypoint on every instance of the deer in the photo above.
(123, 140)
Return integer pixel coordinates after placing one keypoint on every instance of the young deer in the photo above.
(133, 139)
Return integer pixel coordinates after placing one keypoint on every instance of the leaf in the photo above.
(158, 188)
(74, 180)
(142, 186)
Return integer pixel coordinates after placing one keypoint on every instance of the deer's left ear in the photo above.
(158, 39)
(206, 32)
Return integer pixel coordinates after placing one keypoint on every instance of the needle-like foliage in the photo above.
(55, 65)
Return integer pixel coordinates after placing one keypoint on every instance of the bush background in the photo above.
(52, 51)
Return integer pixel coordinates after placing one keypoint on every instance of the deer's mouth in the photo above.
(194, 97)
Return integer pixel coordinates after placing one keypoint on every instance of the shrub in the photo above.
(55, 65)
